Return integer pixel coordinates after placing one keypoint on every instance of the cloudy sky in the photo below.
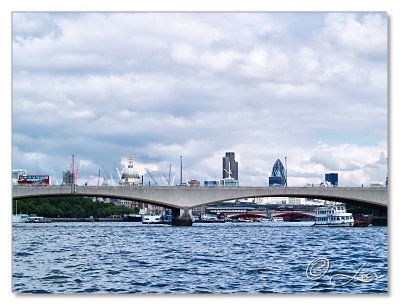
(308, 86)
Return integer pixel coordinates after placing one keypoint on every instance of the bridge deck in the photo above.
(179, 196)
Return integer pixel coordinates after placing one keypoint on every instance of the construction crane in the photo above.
(169, 175)
(112, 180)
(76, 173)
(148, 172)
(168, 179)
(119, 174)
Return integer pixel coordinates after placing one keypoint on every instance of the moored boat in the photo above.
(279, 221)
(208, 218)
(133, 218)
(19, 218)
(333, 215)
(36, 219)
(151, 219)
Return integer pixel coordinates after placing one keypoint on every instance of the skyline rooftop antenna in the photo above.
(169, 175)
(181, 169)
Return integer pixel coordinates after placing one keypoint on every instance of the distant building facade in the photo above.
(211, 183)
(194, 183)
(68, 178)
(278, 176)
(229, 182)
(332, 178)
(16, 173)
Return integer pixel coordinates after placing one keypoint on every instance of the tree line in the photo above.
(69, 207)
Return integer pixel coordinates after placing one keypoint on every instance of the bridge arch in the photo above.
(346, 200)
(191, 197)
(99, 195)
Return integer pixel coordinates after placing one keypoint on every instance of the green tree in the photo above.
(70, 207)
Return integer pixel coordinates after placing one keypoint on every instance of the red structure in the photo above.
(247, 216)
(294, 215)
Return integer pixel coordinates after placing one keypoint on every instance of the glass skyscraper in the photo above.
(278, 176)
(332, 178)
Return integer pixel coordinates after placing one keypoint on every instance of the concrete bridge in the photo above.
(182, 199)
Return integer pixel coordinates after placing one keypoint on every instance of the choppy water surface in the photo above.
(205, 258)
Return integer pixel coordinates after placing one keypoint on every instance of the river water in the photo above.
(242, 258)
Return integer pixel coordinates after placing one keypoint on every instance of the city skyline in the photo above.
(309, 86)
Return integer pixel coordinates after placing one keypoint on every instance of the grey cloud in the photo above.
(27, 26)
(333, 162)
(204, 84)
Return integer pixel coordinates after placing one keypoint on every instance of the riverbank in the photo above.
(116, 219)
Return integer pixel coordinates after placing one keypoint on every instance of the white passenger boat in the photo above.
(19, 218)
(36, 219)
(152, 219)
(333, 215)
(279, 221)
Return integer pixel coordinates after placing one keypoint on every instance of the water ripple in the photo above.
(92, 258)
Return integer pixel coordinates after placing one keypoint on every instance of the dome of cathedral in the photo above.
(129, 174)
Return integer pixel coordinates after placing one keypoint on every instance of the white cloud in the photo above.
(364, 34)
(28, 26)
(160, 85)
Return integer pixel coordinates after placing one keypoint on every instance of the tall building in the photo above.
(229, 164)
(332, 178)
(278, 176)
(68, 178)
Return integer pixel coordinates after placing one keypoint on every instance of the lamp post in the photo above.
(181, 169)
(73, 174)
(387, 171)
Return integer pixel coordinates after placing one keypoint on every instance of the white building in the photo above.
(16, 174)
(281, 200)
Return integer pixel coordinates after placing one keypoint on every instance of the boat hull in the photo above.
(132, 218)
(335, 224)
(288, 223)
(37, 220)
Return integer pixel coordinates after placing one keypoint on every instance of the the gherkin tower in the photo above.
(278, 176)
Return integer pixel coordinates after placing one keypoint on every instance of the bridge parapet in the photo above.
(180, 197)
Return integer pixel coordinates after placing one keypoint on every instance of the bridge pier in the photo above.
(182, 217)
